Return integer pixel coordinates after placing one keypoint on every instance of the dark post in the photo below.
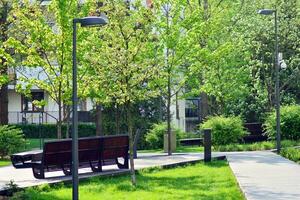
(207, 145)
(276, 66)
(277, 90)
(75, 180)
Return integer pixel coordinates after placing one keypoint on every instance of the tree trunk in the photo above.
(68, 114)
(204, 107)
(3, 67)
(205, 8)
(160, 109)
(4, 105)
(59, 122)
(131, 138)
(99, 129)
(169, 115)
(117, 120)
(169, 100)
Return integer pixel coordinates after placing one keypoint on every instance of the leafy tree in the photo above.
(218, 61)
(123, 59)
(259, 39)
(42, 37)
(174, 51)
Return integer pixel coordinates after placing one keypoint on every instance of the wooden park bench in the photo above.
(257, 133)
(191, 141)
(24, 159)
(93, 152)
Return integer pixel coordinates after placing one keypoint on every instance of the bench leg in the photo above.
(97, 168)
(123, 166)
(14, 161)
(38, 171)
(67, 170)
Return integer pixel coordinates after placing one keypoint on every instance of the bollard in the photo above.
(207, 145)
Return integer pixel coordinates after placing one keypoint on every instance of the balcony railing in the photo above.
(49, 117)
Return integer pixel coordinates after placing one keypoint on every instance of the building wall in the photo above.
(50, 114)
(14, 107)
(178, 120)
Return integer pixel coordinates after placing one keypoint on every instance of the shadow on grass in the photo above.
(203, 181)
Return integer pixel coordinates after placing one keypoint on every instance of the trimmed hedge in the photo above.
(289, 123)
(50, 130)
(225, 130)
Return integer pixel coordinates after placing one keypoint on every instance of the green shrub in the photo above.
(155, 136)
(50, 130)
(289, 123)
(291, 154)
(11, 140)
(225, 130)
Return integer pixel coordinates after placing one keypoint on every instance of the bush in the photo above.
(50, 130)
(291, 154)
(289, 123)
(11, 140)
(155, 136)
(225, 130)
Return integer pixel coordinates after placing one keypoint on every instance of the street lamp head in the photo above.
(266, 12)
(92, 21)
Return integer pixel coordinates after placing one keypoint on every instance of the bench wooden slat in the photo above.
(93, 150)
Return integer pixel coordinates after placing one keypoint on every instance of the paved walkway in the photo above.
(265, 175)
(261, 175)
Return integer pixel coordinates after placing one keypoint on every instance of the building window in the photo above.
(27, 102)
(192, 108)
(82, 105)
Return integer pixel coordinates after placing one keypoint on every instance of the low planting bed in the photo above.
(199, 181)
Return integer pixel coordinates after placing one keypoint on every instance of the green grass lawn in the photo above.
(199, 181)
(4, 163)
(33, 143)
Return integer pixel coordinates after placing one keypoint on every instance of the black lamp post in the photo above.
(277, 92)
(84, 22)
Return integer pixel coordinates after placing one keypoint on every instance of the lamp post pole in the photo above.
(84, 22)
(277, 89)
(75, 180)
(276, 65)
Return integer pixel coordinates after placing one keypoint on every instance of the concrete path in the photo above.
(24, 177)
(265, 175)
(261, 175)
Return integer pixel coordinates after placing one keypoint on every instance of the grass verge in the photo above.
(4, 163)
(200, 181)
(257, 146)
(291, 154)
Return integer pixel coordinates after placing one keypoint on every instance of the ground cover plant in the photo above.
(200, 181)
(256, 146)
